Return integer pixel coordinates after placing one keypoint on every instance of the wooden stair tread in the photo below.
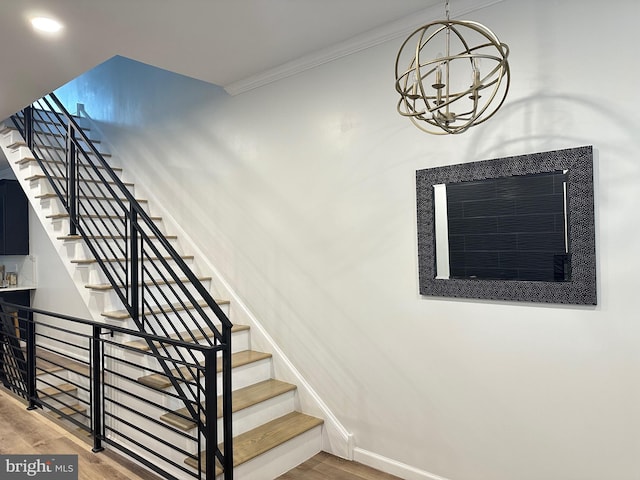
(47, 133)
(109, 237)
(87, 151)
(25, 160)
(193, 334)
(89, 261)
(45, 196)
(60, 216)
(240, 399)
(49, 362)
(176, 307)
(58, 390)
(160, 381)
(22, 143)
(40, 176)
(253, 443)
(171, 281)
(44, 121)
(74, 409)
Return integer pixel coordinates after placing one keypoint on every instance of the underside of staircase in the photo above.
(271, 434)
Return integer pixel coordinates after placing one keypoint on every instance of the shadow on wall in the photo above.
(554, 119)
(543, 122)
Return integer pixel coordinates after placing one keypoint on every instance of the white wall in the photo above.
(55, 290)
(302, 193)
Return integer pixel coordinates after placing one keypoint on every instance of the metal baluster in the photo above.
(28, 126)
(72, 185)
(133, 262)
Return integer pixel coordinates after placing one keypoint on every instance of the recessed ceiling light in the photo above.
(46, 24)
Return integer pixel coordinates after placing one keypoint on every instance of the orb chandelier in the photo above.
(447, 93)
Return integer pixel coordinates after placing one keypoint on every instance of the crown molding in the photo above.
(356, 44)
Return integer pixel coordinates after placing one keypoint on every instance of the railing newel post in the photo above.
(211, 408)
(31, 364)
(227, 410)
(97, 393)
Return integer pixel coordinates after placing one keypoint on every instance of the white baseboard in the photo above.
(393, 467)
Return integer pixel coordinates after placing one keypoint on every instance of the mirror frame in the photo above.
(581, 289)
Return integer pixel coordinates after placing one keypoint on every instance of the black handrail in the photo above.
(137, 258)
(96, 363)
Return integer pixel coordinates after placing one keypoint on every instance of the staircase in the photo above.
(271, 435)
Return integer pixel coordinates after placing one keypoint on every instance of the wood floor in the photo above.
(24, 432)
(30, 433)
(327, 467)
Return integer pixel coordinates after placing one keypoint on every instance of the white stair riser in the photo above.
(281, 459)
(252, 417)
(12, 136)
(44, 137)
(32, 168)
(100, 226)
(42, 186)
(185, 319)
(91, 273)
(53, 206)
(153, 280)
(77, 249)
(240, 341)
(242, 377)
(243, 420)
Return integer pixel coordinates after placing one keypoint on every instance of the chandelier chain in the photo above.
(446, 9)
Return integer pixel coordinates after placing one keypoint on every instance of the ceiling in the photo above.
(225, 42)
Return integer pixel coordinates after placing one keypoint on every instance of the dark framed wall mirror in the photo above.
(516, 228)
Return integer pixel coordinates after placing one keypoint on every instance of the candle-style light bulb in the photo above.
(438, 85)
(475, 72)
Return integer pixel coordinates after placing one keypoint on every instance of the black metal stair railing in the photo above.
(158, 290)
(74, 369)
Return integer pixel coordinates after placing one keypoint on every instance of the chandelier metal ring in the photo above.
(451, 92)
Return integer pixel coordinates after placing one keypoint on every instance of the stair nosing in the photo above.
(70, 410)
(109, 237)
(252, 444)
(63, 388)
(87, 261)
(107, 286)
(277, 388)
(195, 334)
(46, 196)
(39, 176)
(178, 307)
(60, 216)
(159, 381)
(56, 162)
(58, 147)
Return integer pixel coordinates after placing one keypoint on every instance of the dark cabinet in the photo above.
(20, 297)
(14, 238)
(14, 219)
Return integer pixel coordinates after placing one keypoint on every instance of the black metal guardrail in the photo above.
(77, 370)
(159, 291)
